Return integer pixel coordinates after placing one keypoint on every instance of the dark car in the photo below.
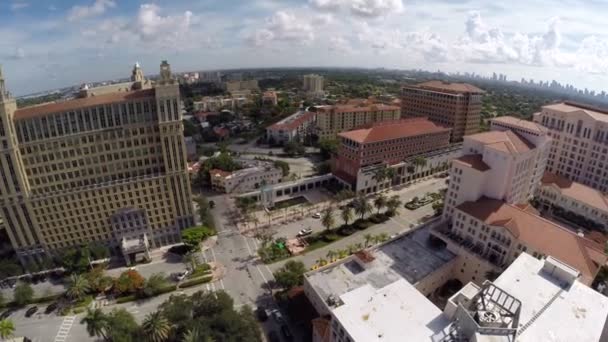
(261, 313)
(6, 314)
(286, 333)
(31, 311)
(52, 307)
(273, 337)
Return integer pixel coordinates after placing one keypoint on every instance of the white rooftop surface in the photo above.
(407, 257)
(578, 314)
(396, 312)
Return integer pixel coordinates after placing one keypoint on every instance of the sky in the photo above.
(46, 44)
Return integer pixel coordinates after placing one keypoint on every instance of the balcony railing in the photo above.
(446, 233)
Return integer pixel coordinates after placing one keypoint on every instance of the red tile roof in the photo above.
(542, 235)
(577, 191)
(474, 161)
(517, 122)
(59, 107)
(376, 107)
(450, 87)
(394, 129)
(291, 124)
(506, 141)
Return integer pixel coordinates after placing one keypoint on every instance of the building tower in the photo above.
(172, 141)
(22, 228)
(137, 76)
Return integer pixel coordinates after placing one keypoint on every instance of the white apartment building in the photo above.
(246, 179)
(215, 104)
(294, 127)
(560, 192)
(501, 164)
(579, 150)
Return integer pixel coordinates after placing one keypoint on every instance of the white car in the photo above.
(182, 275)
(304, 232)
(316, 215)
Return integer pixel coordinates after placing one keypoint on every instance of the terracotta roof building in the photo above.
(332, 120)
(72, 168)
(505, 231)
(387, 142)
(579, 150)
(297, 126)
(456, 105)
(558, 191)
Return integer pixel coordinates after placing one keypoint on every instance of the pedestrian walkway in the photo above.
(64, 329)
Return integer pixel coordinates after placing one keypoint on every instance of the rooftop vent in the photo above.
(560, 271)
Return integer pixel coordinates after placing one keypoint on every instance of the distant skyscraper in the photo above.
(313, 85)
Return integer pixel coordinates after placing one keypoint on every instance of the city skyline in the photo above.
(54, 43)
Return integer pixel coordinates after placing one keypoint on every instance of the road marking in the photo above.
(64, 329)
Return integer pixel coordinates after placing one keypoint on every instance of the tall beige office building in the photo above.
(456, 105)
(109, 166)
(332, 120)
(313, 85)
(579, 150)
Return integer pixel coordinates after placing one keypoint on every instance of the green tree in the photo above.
(96, 323)
(78, 286)
(98, 251)
(362, 206)
(156, 327)
(346, 213)
(283, 165)
(129, 281)
(177, 309)
(9, 268)
(23, 294)
(1, 299)
(327, 218)
(192, 237)
(7, 329)
(75, 260)
(380, 202)
(438, 207)
(294, 148)
(393, 204)
(98, 281)
(419, 162)
(121, 326)
(330, 255)
(343, 195)
(368, 238)
(192, 335)
(291, 274)
(155, 284)
(328, 147)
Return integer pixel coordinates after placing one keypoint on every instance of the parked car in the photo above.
(31, 311)
(316, 215)
(278, 316)
(286, 333)
(304, 232)
(6, 314)
(262, 314)
(273, 337)
(181, 275)
(51, 307)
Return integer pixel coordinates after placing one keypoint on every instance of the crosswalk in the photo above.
(64, 329)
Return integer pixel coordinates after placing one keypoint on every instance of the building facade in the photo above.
(313, 85)
(332, 120)
(69, 167)
(502, 164)
(270, 98)
(215, 104)
(245, 180)
(296, 127)
(579, 150)
(559, 193)
(456, 105)
(235, 86)
(386, 143)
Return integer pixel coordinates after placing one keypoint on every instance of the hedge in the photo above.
(125, 299)
(49, 298)
(196, 281)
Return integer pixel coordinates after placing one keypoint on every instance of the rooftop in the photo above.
(395, 129)
(517, 122)
(408, 257)
(363, 107)
(505, 141)
(474, 161)
(294, 121)
(389, 314)
(59, 107)
(571, 107)
(577, 191)
(450, 87)
(550, 312)
(542, 235)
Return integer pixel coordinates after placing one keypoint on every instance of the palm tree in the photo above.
(342, 253)
(330, 255)
(382, 237)
(7, 328)
(346, 214)
(419, 162)
(96, 322)
(351, 249)
(321, 262)
(362, 206)
(78, 286)
(380, 202)
(156, 327)
(393, 204)
(190, 260)
(328, 218)
(368, 238)
(191, 335)
(358, 246)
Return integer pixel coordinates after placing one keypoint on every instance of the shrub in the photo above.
(362, 224)
(197, 281)
(48, 298)
(79, 310)
(125, 299)
(330, 237)
(346, 230)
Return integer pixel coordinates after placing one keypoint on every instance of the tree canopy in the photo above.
(291, 274)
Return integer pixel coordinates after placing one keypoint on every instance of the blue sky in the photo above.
(52, 43)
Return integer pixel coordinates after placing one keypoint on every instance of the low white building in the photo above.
(294, 127)
(246, 179)
(558, 191)
(215, 104)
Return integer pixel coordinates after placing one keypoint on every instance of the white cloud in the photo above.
(151, 25)
(341, 45)
(375, 8)
(99, 7)
(18, 5)
(283, 27)
(331, 5)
